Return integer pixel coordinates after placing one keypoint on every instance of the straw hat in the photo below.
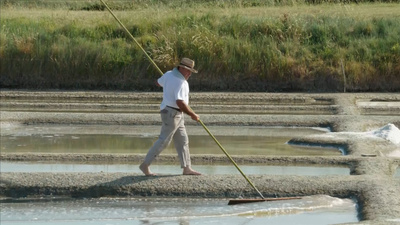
(188, 64)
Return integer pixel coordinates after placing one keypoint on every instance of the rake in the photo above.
(233, 201)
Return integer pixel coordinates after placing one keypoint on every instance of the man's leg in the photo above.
(181, 142)
(168, 129)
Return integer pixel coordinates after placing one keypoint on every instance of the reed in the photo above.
(237, 47)
(140, 4)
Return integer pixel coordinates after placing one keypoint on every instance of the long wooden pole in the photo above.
(131, 36)
(230, 158)
(201, 122)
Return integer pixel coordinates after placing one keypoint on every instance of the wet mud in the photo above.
(371, 182)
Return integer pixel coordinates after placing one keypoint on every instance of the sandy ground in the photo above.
(372, 182)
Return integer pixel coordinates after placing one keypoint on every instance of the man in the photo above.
(174, 104)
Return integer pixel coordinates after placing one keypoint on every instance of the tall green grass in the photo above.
(174, 4)
(298, 48)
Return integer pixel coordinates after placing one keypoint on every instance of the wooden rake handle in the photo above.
(159, 70)
(230, 158)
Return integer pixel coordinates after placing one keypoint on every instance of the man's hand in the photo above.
(186, 109)
(195, 117)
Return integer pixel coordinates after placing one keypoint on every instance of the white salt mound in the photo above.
(389, 132)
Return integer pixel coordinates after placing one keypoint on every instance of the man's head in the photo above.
(187, 64)
(186, 67)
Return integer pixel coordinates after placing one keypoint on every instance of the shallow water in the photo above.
(243, 140)
(309, 210)
(6, 166)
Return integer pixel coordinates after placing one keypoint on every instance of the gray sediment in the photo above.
(371, 181)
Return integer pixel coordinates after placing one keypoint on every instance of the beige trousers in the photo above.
(173, 128)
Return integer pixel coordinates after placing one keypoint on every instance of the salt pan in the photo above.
(389, 132)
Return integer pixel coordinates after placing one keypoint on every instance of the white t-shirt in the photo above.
(175, 87)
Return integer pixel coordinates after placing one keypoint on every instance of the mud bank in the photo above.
(371, 192)
(340, 112)
(372, 182)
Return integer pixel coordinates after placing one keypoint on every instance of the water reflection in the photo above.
(310, 210)
(138, 139)
(172, 169)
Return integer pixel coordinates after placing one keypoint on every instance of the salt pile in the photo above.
(389, 132)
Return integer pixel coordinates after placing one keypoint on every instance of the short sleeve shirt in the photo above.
(175, 87)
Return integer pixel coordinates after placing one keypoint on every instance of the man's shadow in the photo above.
(126, 186)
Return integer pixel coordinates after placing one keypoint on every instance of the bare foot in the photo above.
(190, 171)
(146, 170)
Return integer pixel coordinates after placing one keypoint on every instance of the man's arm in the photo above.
(186, 109)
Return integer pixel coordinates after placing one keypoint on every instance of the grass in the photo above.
(237, 46)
